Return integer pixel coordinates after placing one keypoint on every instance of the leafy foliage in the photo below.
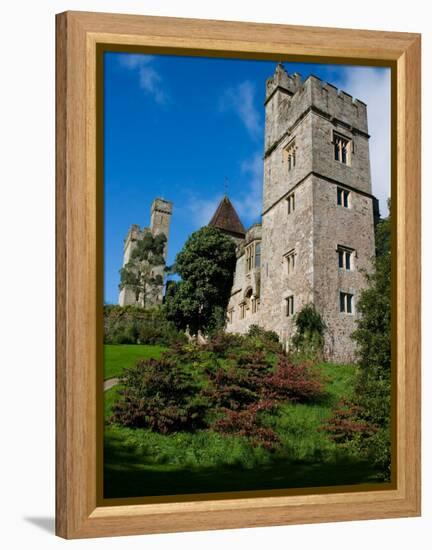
(135, 325)
(138, 274)
(299, 383)
(345, 426)
(159, 395)
(240, 385)
(365, 423)
(248, 423)
(310, 328)
(206, 266)
(236, 380)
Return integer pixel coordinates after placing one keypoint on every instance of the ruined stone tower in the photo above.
(160, 219)
(317, 231)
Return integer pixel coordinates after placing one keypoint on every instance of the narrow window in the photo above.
(289, 306)
(249, 258)
(258, 255)
(345, 258)
(349, 299)
(291, 261)
(290, 155)
(342, 149)
(343, 197)
(242, 310)
(346, 302)
(341, 259)
(291, 203)
(341, 302)
(253, 256)
(348, 260)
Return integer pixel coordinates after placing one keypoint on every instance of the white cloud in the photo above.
(149, 79)
(372, 85)
(240, 100)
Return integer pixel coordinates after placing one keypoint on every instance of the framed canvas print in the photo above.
(238, 274)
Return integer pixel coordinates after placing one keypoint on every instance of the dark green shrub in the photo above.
(134, 325)
(222, 343)
(266, 335)
(160, 395)
(309, 336)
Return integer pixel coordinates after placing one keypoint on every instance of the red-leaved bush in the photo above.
(254, 386)
(240, 385)
(344, 425)
(248, 423)
(293, 382)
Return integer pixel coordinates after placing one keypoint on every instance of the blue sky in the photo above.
(177, 127)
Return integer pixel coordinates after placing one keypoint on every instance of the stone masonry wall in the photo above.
(283, 232)
(336, 226)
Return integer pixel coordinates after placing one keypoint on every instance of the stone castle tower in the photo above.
(160, 219)
(317, 230)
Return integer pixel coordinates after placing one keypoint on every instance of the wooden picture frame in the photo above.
(79, 511)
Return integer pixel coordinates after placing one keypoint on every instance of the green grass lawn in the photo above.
(139, 462)
(120, 356)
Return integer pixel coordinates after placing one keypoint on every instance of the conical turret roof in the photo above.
(227, 220)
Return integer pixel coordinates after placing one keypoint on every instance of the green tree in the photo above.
(139, 273)
(206, 266)
(373, 338)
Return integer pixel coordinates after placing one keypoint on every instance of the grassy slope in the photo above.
(140, 462)
(119, 357)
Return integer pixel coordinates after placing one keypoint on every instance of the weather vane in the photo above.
(226, 185)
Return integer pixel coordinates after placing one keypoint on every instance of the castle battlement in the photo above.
(296, 96)
(162, 205)
(283, 81)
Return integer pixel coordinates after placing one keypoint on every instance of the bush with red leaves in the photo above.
(160, 395)
(240, 385)
(345, 425)
(248, 423)
(293, 382)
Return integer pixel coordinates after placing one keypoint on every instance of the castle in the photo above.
(317, 230)
(160, 220)
(316, 236)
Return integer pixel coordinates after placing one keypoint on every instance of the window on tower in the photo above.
(343, 197)
(290, 152)
(290, 258)
(342, 149)
(346, 302)
(253, 256)
(289, 306)
(345, 258)
(290, 203)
